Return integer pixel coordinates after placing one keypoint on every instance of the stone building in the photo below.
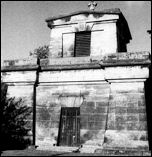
(90, 91)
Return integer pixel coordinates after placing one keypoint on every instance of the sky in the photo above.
(23, 26)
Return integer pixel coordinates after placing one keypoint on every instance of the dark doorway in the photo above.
(69, 130)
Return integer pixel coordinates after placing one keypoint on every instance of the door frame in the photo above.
(60, 126)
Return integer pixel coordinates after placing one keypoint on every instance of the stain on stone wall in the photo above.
(127, 122)
(93, 109)
(108, 114)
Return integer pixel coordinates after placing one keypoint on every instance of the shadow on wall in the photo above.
(93, 130)
(148, 97)
(14, 130)
(93, 137)
(93, 122)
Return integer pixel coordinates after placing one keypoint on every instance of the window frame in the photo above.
(82, 32)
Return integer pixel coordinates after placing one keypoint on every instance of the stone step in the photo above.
(57, 148)
(122, 152)
(97, 150)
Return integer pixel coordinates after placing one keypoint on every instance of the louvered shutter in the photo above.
(82, 44)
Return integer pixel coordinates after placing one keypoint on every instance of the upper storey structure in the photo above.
(88, 33)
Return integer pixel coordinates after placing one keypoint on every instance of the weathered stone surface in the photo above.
(143, 125)
(99, 45)
(132, 110)
(124, 110)
(125, 138)
(132, 117)
(85, 15)
(120, 118)
(105, 25)
(122, 152)
(20, 77)
(108, 86)
(20, 64)
(50, 99)
(142, 116)
(148, 153)
(121, 110)
(126, 107)
(141, 102)
(132, 126)
(126, 72)
(74, 75)
(124, 58)
(92, 137)
(100, 60)
(111, 125)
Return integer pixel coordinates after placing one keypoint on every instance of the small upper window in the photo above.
(82, 44)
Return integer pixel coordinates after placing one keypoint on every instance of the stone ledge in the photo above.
(122, 152)
(19, 65)
(137, 56)
(71, 67)
(97, 150)
(129, 58)
(56, 148)
(19, 68)
(96, 62)
(70, 61)
(20, 62)
(114, 59)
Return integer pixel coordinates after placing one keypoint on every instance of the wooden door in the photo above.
(69, 130)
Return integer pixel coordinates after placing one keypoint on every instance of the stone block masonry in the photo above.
(93, 111)
(127, 117)
(98, 100)
(110, 94)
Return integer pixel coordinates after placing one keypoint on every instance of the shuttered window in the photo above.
(82, 44)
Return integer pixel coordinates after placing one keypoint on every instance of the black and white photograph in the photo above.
(76, 78)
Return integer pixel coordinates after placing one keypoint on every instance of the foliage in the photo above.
(14, 115)
(41, 52)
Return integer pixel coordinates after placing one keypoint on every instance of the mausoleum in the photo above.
(90, 92)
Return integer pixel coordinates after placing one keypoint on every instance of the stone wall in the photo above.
(110, 94)
(94, 115)
(111, 115)
(103, 33)
(127, 121)
(20, 76)
(92, 100)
